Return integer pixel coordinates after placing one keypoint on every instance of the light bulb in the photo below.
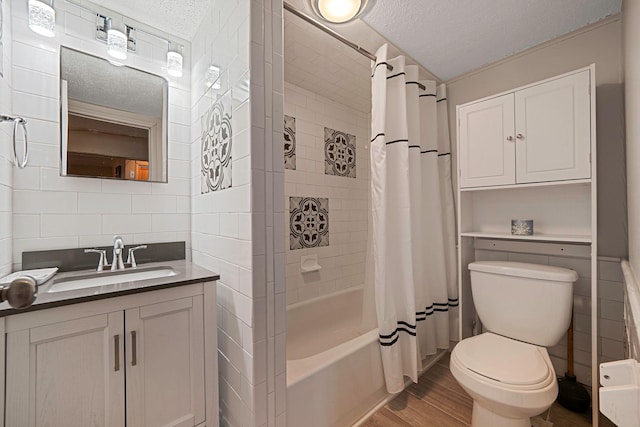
(116, 44)
(339, 11)
(42, 18)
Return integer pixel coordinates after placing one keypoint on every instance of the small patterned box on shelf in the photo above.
(522, 227)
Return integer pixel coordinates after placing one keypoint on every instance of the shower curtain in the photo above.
(412, 252)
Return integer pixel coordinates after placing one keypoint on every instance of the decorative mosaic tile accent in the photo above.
(216, 146)
(289, 142)
(308, 222)
(339, 153)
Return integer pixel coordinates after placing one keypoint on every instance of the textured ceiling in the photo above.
(452, 37)
(178, 17)
(319, 63)
(96, 81)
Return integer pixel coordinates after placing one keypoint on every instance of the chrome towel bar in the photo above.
(18, 121)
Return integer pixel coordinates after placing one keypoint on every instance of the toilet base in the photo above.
(482, 417)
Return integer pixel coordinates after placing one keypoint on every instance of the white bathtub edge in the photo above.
(313, 364)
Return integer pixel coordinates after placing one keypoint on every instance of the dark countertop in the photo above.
(186, 273)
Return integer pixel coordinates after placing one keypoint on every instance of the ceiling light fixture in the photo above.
(338, 11)
(174, 60)
(42, 18)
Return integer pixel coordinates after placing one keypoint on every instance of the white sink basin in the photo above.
(109, 278)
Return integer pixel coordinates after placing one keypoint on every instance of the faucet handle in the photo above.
(103, 257)
(131, 259)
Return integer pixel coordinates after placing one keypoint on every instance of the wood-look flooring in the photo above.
(438, 400)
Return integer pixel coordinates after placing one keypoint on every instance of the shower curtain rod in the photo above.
(287, 6)
(352, 45)
(310, 20)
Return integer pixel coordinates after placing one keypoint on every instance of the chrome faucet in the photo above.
(102, 263)
(131, 259)
(118, 248)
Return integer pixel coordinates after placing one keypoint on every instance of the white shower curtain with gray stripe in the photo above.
(413, 249)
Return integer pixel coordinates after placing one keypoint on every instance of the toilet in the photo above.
(507, 371)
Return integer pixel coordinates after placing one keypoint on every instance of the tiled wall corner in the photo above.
(6, 155)
(268, 192)
(226, 236)
(54, 212)
(343, 260)
(610, 304)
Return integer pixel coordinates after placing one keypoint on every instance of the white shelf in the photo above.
(566, 238)
(529, 185)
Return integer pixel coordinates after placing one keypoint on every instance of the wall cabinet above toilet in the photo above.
(539, 133)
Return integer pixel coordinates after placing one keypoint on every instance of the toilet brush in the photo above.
(571, 394)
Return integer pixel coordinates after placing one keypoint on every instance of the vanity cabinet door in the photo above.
(67, 374)
(165, 364)
(553, 130)
(487, 148)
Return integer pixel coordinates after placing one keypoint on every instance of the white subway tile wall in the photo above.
(6, 154)
(54, 212)
(267, 117)
(610, 303)
(343, 261)
(232, 229)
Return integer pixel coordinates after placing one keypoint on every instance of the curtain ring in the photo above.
(19, 121)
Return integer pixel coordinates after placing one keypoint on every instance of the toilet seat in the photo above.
(507, 363)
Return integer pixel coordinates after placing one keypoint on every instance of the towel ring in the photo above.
(18, 122)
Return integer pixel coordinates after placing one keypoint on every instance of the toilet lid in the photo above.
(503, 359)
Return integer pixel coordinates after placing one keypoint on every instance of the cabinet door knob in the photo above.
(510, 138)
(520, 136)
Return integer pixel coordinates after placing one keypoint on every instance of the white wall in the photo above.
(6, 154)
(631, 35)
(267, 104)
(53, 212)
(343, 261)
(237, 231)
(221, 220)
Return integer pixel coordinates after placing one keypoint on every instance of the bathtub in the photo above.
(334, 367)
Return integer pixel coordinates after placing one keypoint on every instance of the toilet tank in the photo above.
(526, 302)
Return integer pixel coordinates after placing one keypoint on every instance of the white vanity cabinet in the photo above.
(136, 360)
(539, 133)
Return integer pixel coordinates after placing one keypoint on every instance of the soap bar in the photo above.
(40, 275)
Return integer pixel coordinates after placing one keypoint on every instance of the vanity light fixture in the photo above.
(174, 59)
(116, 43)
(42, 17)
(338, 11)
(213, 77)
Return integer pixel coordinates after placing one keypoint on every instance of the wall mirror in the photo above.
(113, 120)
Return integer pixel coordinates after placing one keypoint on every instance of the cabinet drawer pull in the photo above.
(520, 136)
(510, 138)
(116, 353)
(134, 349)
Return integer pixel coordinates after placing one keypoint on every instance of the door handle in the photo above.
(116, 353)
(510, 138)
(134, 348)
(520, 136)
